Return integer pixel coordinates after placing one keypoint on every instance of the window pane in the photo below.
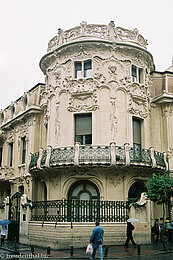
(140, 76)
(79, 139)
(83, 124)
(136, 131)
(11, 154)
(134, 73)
(88, 139)
(87, 65)
(0, 156)
(78, 69)
(87, 69)
(78, 74)
(88, 73)
(23, 149)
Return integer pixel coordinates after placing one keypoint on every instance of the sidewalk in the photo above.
(12, 250)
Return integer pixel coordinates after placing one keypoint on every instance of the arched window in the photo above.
(83, 202)
(135, 191)
(83, 190)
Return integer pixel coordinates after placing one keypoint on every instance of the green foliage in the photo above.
(160, 188)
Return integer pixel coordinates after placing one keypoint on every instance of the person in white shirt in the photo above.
(3, 234)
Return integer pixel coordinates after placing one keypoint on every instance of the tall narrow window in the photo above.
(87, 69)
(23, 150)
(78, 69)
(11, 154)
(134, 73)
(83, 129)
(140, 74)
(137, 138)
(1, 149)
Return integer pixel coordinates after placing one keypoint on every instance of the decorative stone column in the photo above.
(39, 158)
(152, 157)
(113, 153)
(49, 149)
(127, 155)
(76, 154)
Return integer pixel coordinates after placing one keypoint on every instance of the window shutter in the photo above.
(83, 124)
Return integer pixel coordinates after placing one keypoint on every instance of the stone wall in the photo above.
(62, 236)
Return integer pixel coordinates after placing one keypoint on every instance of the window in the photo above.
(137, 140)
(83, 197)
(10, 154)
(83, 69)
(135, 191)
(78, 70)
(1, 149)
(137, 74)
(87, 69)
(23, 150)
(136, 132)
(83, 129)
(21, 189)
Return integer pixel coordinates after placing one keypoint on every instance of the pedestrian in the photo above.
(3, 234)
(168, 227)
(157, 229)
(130, 228)
(97, 240)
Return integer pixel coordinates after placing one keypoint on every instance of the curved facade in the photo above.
(90, 131)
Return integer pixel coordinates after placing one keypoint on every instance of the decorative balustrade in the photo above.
(94, 154)
(140, 155)
(91, 154)
(63, 155)
(80, 211)
(33, 160)
(106, 32)
(159, 159)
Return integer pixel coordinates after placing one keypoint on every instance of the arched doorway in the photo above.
(135, 190)
(83, 202)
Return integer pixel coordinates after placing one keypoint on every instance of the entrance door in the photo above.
(83, 202)
(14, 216)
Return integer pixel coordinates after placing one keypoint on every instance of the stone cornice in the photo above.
(164, 98)
(30, 111)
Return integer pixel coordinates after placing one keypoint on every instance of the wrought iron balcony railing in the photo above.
(80, 211)
(97, 155)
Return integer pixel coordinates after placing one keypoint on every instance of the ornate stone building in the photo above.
(81, 146)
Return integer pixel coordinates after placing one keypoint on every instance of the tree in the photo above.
(160, 190)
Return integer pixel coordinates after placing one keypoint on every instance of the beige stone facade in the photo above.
(98, 127)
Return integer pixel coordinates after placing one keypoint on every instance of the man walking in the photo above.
(130, 228)
(97, 240)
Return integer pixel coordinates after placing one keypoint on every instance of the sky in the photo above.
(26, 26)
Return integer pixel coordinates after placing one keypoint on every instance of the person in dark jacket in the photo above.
(157, 229)
(97, 240)
(130, 228)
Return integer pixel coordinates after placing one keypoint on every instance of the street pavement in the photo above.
(13, 250)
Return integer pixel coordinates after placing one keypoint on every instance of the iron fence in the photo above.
(80, 211)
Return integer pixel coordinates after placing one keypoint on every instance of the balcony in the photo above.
(112, 155)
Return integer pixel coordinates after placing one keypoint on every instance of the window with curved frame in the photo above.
(83, 202)
(135, 191)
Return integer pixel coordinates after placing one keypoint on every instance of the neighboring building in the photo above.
(95, 131)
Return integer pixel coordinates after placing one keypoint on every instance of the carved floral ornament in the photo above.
(138, 107)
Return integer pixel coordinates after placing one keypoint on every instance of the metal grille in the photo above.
(34, 158)
(159, 159)
(80, 211)
(120, 153)
(62, 155)
(94, 154)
